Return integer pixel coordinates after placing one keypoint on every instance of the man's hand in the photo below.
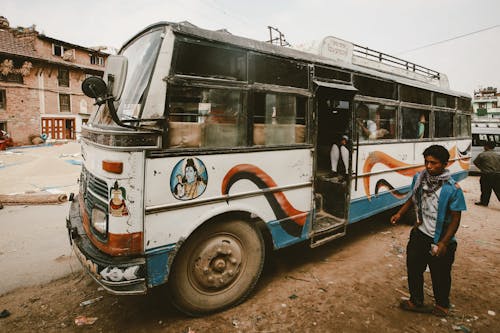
(441, 249)
(395, 218)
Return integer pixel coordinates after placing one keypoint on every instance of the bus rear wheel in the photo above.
(217, 267)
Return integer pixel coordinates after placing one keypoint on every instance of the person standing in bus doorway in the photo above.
(488, 162)
(439, 202)
(337, 153)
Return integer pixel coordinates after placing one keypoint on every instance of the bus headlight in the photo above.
(99, 221)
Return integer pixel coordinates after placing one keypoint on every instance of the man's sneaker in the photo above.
(479, 203)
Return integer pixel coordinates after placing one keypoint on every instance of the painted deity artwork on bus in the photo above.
(189, 179)
(117, 205)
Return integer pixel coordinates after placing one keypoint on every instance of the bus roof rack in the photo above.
(343, 51)
(365, 52)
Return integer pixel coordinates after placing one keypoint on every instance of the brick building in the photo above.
(40, 84)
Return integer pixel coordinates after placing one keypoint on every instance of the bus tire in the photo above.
(217, 267)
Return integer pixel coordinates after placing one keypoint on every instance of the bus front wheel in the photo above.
(217, 267)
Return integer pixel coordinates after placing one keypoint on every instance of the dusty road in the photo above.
(351, 285)
(54, 168)
(34, 246)
(33, 240)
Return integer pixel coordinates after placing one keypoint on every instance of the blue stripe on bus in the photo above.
(281, 238)
(363, 208)
(157, 264)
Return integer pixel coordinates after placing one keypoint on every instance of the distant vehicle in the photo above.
(209, 149)
(482, 132)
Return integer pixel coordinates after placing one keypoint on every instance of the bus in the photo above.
(482, 132)
(208, 150)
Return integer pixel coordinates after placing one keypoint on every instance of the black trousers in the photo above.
(488, 182)
(417, 258)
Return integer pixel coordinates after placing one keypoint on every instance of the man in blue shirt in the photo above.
(439, 202)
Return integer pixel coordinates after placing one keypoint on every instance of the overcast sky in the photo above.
(390, 26)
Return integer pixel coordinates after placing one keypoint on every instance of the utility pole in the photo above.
(279, 40)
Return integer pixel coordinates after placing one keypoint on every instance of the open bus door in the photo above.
(333, 110)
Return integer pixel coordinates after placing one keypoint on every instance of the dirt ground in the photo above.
(353, 284)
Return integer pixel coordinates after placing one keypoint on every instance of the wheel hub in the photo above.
(218, 263)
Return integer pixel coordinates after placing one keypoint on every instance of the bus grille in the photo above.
(90, 182)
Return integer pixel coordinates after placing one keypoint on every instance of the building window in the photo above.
(59, 51)
(63, 77)
(3, 99)
(64, 103)
(96, 60)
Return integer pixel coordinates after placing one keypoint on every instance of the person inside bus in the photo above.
(488, 162)
(340, 154)
(421, 126)
(368, 127)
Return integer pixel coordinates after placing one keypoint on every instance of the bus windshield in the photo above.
(141, 55)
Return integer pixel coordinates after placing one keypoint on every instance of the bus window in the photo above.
(218, 62)
(205, 117)
(278, 71)
(331, 74)
(278, 119)
(444, 101)
(375, 88)
(464, 104)
(375, 121)
(443, 124)
(463, 125)
(415, 95)
(415, 123)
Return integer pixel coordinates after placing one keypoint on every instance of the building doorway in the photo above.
(59, 128)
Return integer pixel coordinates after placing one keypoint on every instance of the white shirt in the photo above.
(430, 202)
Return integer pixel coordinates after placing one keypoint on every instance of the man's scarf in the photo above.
(427, 183)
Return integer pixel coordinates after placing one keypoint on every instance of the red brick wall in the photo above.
(23, 112)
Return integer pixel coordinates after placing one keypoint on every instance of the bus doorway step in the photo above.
(327, 227)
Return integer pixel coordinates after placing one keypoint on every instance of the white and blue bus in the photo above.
(208, 149)
(482, 132)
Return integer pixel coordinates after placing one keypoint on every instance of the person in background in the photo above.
(439, 202)
(340, 151)
(488, 162)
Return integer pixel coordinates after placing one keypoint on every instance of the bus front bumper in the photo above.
(117, 275)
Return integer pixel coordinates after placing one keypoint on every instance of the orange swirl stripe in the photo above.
(263, 181)
(377, 157)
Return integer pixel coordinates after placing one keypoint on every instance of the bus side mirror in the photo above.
(95, 87)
